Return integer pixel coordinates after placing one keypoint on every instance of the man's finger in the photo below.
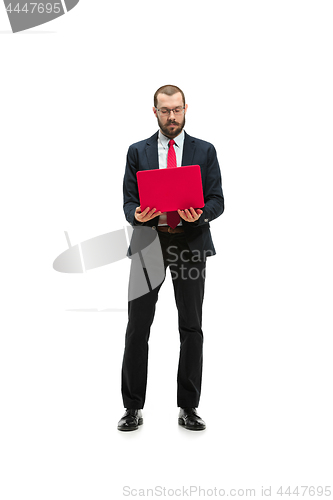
(153, 213)
(194, 213)
(157, 213)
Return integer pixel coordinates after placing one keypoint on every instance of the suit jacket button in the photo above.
(206, 220)
(153, 227)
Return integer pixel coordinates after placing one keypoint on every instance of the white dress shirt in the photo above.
(163, 149)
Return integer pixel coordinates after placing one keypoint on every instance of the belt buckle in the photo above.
(170, 230)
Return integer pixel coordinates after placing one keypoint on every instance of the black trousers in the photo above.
(188, 278)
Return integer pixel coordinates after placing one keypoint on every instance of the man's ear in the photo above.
(186, 106)
(154, 110)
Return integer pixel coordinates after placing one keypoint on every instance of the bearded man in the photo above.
(186, 243)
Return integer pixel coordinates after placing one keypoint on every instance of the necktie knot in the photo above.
(171, 143)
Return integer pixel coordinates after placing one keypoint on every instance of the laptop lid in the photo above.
(170, 189)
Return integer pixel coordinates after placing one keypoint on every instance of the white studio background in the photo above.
(257, 76)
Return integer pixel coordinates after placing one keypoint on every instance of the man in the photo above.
(186, 242)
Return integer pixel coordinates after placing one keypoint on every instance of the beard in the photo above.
(171, 132)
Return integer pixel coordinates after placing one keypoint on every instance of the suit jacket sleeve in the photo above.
(212, 190)
(130, 187)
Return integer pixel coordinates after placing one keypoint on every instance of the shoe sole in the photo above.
(182, 423)
(140, 422)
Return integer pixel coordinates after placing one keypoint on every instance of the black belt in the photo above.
(168, 229)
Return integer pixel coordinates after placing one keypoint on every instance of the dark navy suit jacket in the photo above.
(143, 155)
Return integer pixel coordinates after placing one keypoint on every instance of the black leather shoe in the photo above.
(131, 420)
(189, 418)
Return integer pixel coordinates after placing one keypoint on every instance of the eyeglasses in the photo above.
(177, 111)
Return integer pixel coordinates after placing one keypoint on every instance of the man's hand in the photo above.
(190, 215)
(146, 215)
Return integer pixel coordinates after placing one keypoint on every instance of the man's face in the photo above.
(170, 125)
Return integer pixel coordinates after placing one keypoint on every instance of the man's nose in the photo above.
(171, 111)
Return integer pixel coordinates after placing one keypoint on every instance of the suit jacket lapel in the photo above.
(188, 150)
(152, 152)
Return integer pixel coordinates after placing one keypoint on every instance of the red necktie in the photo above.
(173, 218)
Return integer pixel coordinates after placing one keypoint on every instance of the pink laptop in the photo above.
(169, 189)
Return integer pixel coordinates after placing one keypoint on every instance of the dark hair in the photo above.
(168, 90)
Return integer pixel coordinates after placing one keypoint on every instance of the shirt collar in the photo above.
(179, 140)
